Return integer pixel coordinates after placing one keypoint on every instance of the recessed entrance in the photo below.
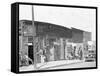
(30, 53)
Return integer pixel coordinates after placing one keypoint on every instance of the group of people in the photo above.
(47, 54)
(24, 59)
(43, 53)
(75, 52)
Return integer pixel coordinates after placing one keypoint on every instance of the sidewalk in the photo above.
(57, 63)
(47, 65)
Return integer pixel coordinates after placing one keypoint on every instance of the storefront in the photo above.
(51, 42)
(50, 38)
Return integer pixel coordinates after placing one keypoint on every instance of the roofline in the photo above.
(56, 25)
(80, 30)
(47, 23)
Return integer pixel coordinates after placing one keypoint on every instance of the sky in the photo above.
(79, 18)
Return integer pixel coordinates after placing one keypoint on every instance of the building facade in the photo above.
(49, 37)
(55, 41)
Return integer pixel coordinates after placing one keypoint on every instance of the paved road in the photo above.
(75, 65)
(64, 66)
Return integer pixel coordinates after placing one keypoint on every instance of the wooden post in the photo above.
(34, 39)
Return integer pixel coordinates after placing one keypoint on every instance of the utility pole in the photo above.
(34, 39)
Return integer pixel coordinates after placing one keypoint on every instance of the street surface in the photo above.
(59, 65)
(75, 65)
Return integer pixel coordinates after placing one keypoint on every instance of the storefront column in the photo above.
(61, 49)
(66, 50)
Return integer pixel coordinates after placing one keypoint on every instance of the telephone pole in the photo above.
(34, 40)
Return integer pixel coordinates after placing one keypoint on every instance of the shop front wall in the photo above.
(24, 45)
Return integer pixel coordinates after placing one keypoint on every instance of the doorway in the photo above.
(30, 53)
